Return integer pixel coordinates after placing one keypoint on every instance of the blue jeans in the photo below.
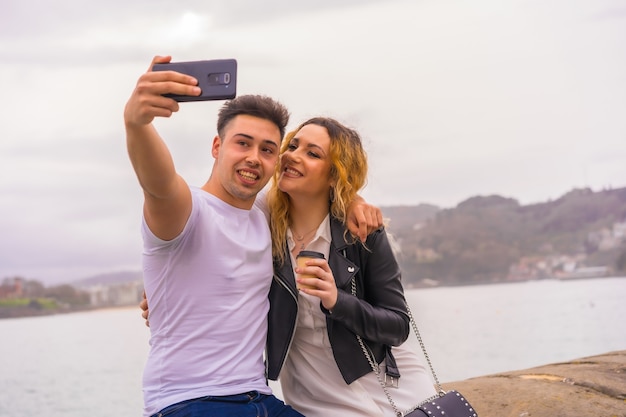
(249, 404)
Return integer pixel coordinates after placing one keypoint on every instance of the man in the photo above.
(207, 255)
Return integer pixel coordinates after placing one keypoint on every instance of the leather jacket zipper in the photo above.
(295, 299)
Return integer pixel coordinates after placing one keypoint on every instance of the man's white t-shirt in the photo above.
(207, 293)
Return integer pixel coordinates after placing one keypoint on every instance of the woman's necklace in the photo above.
(300, 238)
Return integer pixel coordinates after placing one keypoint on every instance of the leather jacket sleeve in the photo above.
(378, 312)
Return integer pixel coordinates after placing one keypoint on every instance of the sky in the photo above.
(453, 99)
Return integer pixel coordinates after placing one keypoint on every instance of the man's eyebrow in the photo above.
(244, 135)
(271, 142)
(267, 142)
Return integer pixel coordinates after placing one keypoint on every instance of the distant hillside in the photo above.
(484, 237)
(109, 279)
(409, 216)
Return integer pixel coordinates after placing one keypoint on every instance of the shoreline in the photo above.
(25, 311)
(412, 286)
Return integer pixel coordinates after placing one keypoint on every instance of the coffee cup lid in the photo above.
(310, 254)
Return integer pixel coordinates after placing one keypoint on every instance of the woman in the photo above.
(312, 342)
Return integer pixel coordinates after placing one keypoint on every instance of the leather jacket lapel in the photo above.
(284, 273)
(343, 269)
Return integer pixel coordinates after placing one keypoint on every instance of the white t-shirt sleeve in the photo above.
(151, 240)
(261, 203)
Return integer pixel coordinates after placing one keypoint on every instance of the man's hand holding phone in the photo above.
(217, 78)
(147, 100)
(159, 90)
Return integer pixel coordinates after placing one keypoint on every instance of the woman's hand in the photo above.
(143, 305)
(321, 281)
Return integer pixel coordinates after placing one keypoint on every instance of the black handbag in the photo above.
(445, 404)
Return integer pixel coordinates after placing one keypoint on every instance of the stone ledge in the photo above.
(593, 386)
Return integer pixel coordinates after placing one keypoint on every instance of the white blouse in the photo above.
(310, 379)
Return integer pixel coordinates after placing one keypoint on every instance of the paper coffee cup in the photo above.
(302, 257)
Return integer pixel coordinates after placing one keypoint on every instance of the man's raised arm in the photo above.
(167, 202)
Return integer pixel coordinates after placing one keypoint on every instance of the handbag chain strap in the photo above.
(369, 356)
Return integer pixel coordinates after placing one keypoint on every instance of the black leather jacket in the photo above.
(378, 313)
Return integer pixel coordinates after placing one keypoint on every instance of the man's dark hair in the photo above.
(253, 105)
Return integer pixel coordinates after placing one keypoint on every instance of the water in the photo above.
(474, 331)
(91, 363)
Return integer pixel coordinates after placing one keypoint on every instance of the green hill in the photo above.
(493, 238)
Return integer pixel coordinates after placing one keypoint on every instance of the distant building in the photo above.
(12, 288)
(587, 272)
(126, 293)
(608, 238)
(426, 255)
(539, 267)
(619, 231)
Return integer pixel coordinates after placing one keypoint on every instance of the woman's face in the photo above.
(305, 164)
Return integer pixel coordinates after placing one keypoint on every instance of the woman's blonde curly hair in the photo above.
(348, 171)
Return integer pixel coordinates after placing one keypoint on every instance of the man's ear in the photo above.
(215, 148)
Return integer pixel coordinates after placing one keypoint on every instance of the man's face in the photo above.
(245, 159)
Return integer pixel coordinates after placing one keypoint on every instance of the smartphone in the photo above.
(217, 78)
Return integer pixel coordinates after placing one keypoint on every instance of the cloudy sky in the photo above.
(521, 98)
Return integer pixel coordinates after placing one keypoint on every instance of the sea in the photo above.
(90, 363)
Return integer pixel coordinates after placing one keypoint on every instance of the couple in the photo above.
(207, 261)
